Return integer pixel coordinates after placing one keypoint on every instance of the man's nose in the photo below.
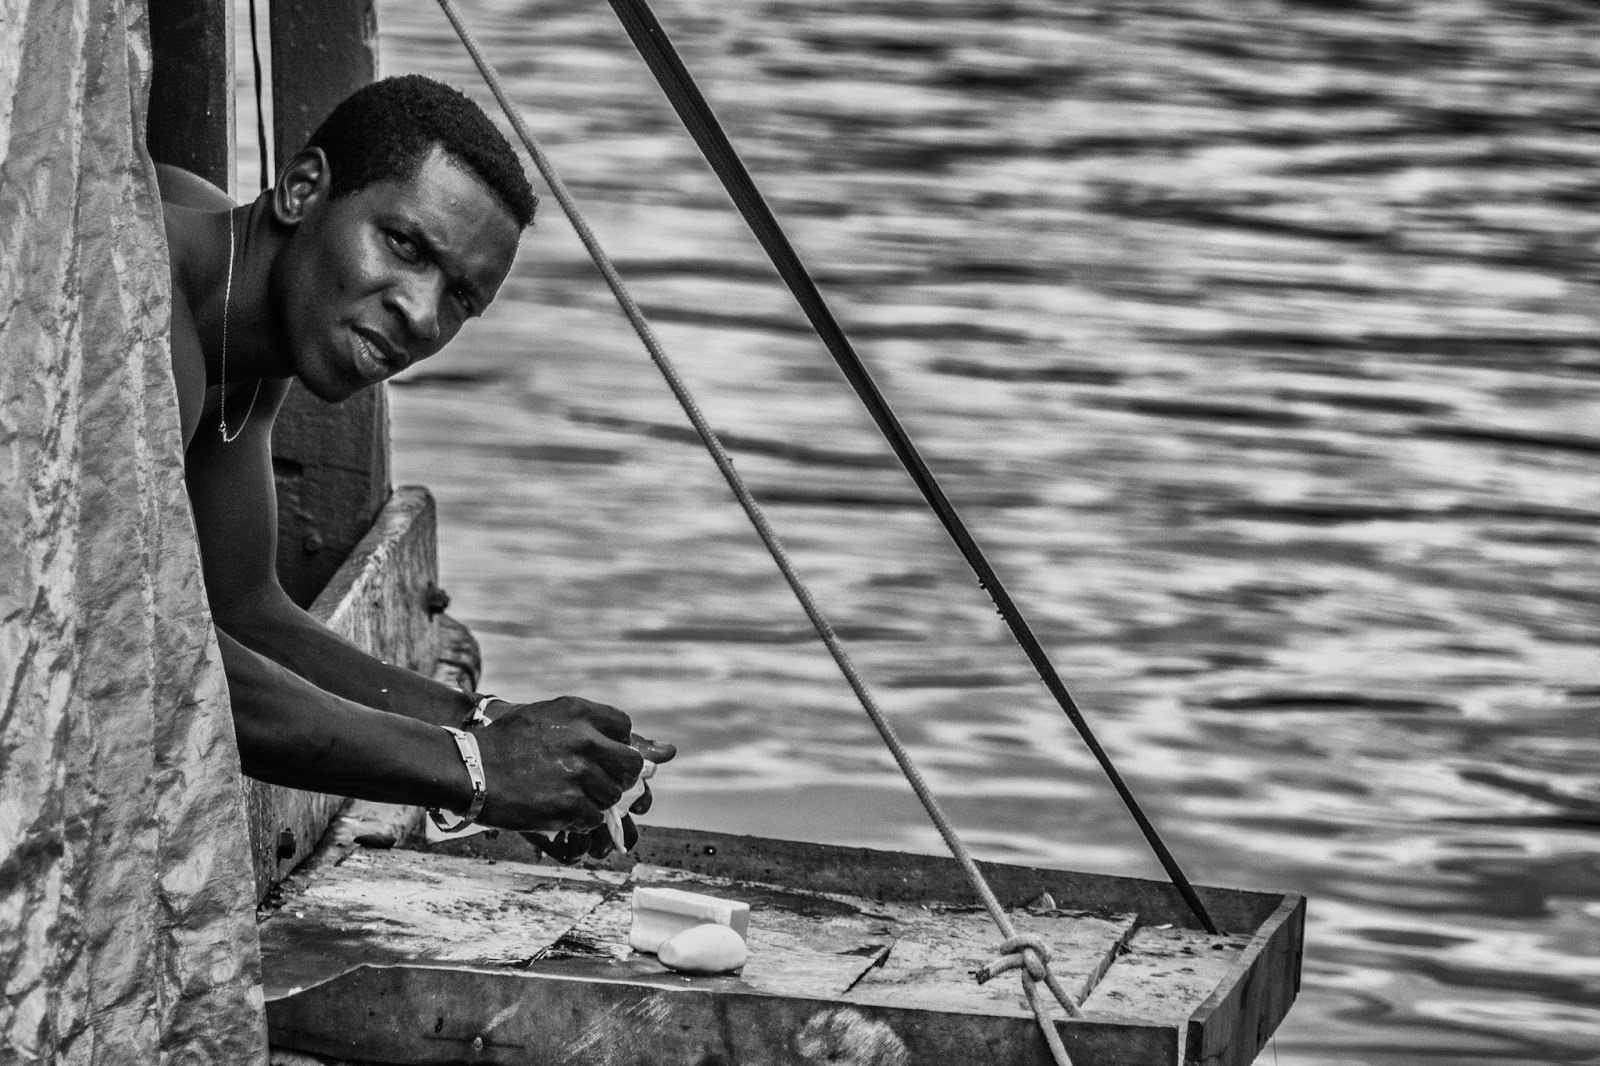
(417, 302)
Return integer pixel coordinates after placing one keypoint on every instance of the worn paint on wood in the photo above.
(380, 600)
(800, 944)
(835, 976)
(900, 954)
(1166, 973)
(935, 878)
(935, 961)
(397, 906)
(424, 1015)
(1239, 1016)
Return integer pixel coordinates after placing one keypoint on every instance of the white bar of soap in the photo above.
(705, 949)
(662, 913)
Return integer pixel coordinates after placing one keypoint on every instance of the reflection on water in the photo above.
(1257, 342)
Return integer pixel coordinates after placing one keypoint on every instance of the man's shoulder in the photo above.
(181, 188)
(186, 200)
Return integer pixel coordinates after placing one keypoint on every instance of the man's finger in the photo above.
(617, 761)
(610, 722)
(642, 804)
(589, 814)
(600, 844)
(599, 789)
(565, 848)
(654, 750)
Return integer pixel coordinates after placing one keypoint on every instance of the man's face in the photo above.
(374, 281)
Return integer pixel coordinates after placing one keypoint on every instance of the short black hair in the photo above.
(385, 130)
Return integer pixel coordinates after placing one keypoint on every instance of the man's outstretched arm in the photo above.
(313, 711)
(552, 766)
(236, 519)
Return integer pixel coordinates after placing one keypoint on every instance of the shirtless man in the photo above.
(394, 226)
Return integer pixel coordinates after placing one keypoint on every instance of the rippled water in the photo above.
(1255, 340)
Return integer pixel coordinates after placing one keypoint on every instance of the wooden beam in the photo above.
(322, 51)
(331, 462)
(191, 87)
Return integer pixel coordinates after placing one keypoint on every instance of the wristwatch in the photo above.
(467, 745)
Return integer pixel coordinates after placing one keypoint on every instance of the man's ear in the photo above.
(303, 183)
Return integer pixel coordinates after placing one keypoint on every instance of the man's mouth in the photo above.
(371, 362)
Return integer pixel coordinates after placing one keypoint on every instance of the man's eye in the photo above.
(402, 245)
(463, 301)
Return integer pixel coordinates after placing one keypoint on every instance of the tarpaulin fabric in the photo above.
(127, 929)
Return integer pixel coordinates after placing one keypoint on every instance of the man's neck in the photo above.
(255, 344)
(226, 281)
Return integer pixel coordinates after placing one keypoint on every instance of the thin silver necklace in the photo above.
(222, 397)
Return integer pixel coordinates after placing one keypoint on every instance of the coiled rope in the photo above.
(1026, 953)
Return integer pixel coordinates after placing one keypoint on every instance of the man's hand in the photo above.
(570, 846)
(560, 764)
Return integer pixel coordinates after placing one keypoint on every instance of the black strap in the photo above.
(261, 118)
(651, 41)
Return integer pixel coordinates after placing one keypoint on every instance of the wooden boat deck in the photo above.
(856, 957)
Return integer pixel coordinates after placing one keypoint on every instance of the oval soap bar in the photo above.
(704, 949)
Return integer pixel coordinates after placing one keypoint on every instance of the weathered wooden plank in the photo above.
(934, 962)
(395, 906)
(827, 972)
(420, 1016)
(1166, 974)
(910, 878)
(878, 951)
(191, 87)
(800, 943)
(781, 962)
(380, 600)
(1236, 1021)
(1158, 990)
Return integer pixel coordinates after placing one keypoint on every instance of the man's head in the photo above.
(403, 215)
(383, 132)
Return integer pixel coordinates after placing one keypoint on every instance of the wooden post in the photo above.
(331, 462)
(191, 87)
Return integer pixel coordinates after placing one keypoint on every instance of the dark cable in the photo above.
(664, 62)
(261, 119)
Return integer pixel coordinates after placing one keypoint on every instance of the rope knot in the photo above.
(1024, 951)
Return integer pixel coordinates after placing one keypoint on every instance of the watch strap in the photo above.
(467, 746)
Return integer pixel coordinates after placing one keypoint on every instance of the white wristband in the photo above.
(467, 745)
